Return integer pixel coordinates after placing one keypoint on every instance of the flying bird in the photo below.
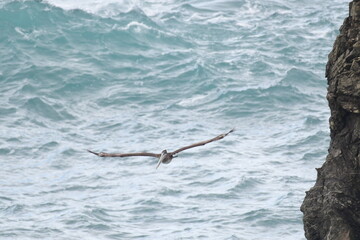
(165, 157)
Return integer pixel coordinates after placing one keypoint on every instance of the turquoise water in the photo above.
(123, 76)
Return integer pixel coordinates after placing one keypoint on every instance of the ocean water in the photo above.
(146, 75)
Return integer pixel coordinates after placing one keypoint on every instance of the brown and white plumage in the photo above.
(165, 157)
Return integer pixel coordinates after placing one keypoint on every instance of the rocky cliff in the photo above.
(332, 207)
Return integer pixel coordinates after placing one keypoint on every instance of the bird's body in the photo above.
(165, 157)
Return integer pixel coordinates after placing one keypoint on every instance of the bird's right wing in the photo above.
(142, 154)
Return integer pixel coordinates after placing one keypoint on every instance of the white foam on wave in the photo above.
(28, 34)
(318, 33)
(188, 102)
(137, 26)
(101, 7)
(109, 8)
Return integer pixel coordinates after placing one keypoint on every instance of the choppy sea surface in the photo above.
(124, 76)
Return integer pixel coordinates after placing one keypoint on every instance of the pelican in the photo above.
(165, 157)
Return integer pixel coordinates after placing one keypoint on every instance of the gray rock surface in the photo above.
(332, 207)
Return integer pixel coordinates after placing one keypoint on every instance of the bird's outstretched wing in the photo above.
(221, 136)
(144, 154)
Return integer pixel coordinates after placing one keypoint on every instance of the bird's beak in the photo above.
(160, 160)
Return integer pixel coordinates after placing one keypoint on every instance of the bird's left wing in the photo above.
(221, 136)
(143, 154)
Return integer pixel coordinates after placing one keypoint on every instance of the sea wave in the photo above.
(124, 76)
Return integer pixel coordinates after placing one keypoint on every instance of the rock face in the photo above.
(332, 207)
